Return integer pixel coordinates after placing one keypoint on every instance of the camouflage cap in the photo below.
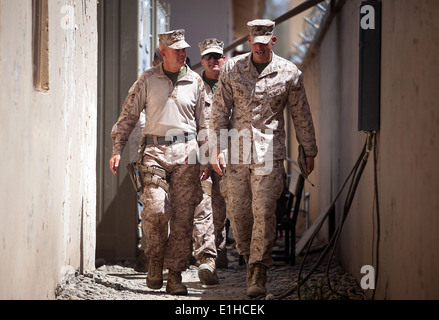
(261, 30)
(173, 39)
(211, 45)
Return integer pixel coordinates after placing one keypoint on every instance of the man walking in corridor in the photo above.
(253, 91)
(210, 216)
(173, 98)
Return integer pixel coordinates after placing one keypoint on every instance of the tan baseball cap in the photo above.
(173, 39)
(261, 30)
(211, 45)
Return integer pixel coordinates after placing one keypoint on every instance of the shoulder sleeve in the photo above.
(131, 109)
(302, 118)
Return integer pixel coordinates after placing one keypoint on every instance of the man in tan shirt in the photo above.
(172, 96)
(253, 91)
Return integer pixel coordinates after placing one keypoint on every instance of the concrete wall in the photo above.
(408, 177)
(48, 139)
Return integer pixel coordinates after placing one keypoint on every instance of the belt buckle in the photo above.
(181, 138)
(170, 139)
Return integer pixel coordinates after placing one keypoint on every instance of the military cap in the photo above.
(211, 45)
(261, 30)
(173, 39)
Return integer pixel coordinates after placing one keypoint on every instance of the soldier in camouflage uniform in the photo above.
(252, 93)
(135, 141)
(173, 98)
(210, 215)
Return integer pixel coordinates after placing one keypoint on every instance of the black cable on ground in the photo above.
(355, 173)
(348, 203)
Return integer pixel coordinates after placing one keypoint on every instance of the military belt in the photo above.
(169, 139)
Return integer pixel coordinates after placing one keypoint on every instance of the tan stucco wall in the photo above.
(408, 177)
(48, 139)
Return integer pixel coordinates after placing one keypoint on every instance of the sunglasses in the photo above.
(214, 55)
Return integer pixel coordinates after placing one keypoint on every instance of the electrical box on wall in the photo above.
(369, 66)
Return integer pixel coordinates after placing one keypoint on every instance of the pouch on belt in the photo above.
(133, 173)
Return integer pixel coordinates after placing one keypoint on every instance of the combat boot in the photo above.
(174, 285)
(257, 281)
(206, 270)
(154, 279)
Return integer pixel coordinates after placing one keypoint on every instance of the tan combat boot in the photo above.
(257, 280)
(206, 270)
(174, 285)
(154, 279)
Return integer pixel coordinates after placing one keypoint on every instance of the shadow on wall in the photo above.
(116, 237)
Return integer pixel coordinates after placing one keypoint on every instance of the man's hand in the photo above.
(114, 163)
(205, 174)
(217, 160)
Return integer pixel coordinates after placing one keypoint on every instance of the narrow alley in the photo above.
(69, 228)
